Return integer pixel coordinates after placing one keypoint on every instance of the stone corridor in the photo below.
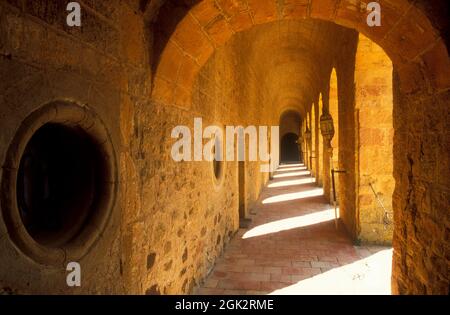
(293, 247)
(109, 128)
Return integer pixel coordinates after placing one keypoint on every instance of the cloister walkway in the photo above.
(293, 247)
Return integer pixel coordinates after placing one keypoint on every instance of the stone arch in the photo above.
(291, 108)
(292, 117)
(406, 34)
(290, 124)
(421, 63)
(288, 148)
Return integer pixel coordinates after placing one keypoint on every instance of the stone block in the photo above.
(182, 98)
(323, 9)
(205, 12)
(232, 7)
(190, 37)
(241, 21)
(264, 11)
(293, 11)
(219, 30)
(170, 62)
(188, 73)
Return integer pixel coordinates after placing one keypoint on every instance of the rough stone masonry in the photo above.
(141, 223)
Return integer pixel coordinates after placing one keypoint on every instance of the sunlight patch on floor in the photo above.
(290, 223)
(292, 174)
(294, 196)
(288, 169)
(290, 165)
(371, 275)
(292, 182)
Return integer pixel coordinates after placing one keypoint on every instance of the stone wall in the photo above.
(218, 97)
(101, 67)
(290, 122)
(144, 73)
(421, 195)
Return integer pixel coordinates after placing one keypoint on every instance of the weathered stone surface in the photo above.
(234, 63)
(374, 104)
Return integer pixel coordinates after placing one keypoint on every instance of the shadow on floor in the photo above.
(293, 247)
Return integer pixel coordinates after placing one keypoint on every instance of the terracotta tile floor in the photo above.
(293, 247)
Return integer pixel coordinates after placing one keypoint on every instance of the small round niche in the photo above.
(218, 164)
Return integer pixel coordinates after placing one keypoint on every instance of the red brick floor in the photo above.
(292, 238)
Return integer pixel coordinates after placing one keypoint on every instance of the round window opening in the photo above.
(58, 183)
(59, 177)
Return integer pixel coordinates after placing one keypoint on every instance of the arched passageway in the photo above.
(293, 247)
(405, 55)
(145, 70)
(290, 128)
(289, 151)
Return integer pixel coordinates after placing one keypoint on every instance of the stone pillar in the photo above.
(305, 144)
(374, 134)
(312, 158)
(334, 112)
(305, 153)
(320, 144)
(300, 146)
(327, 156)
(308, 147)
(327, 130)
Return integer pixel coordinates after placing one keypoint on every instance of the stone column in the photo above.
(307, 136)
(327, 129)
(300, 147)
(374, 132)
